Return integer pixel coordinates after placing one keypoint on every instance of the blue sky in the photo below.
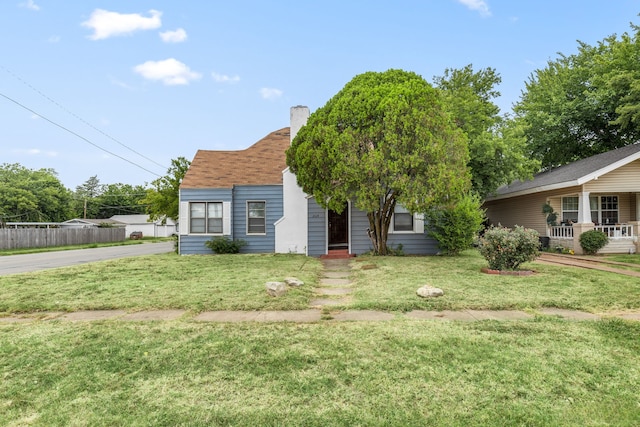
(119, 88)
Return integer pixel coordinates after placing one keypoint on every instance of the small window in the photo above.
(256, 219)
(402, 219)
(205, 217)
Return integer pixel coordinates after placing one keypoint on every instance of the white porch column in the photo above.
(584, 208)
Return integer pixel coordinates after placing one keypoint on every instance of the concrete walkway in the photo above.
(592, 263)
(308, 316)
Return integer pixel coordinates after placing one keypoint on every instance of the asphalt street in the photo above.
(12, 264)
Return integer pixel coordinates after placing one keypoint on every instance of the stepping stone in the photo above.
(91, 315)
(336, 274)
(320, 302)
(154, 315)
(335, 282)
(334, 291)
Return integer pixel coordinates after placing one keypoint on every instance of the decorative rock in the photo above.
(429, 292)
(276, 289)
(292, 281)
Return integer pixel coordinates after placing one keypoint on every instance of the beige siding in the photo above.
(524, 210)
(624, 179)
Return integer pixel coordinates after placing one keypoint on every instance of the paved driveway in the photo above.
(12, 264)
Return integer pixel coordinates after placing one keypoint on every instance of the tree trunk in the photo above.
(379, 221)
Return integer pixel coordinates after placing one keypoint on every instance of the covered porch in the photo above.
(616, 215)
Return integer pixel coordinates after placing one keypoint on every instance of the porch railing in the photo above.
(561, 232)
(621, 231)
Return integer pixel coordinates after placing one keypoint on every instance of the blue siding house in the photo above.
(251, 195)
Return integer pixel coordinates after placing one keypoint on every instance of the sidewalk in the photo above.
(308, 316)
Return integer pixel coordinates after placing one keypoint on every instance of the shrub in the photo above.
(506, 249)
(592, 241)
(456, 227)
(224, 245)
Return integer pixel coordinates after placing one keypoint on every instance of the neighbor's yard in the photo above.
(404, 372)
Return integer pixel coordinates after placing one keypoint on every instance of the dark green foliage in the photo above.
(585, 103)
(507, 249)
(384, 138)
(497, 144)
(456, 226)
(28, 195)
(592, 241)
(224, 245)
(162, 200)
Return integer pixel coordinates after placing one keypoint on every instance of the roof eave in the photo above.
(534, 190)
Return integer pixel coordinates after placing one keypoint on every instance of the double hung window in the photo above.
(256, 218)
(205, 217)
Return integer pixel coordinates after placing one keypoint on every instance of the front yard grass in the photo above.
(236, 282)
(197, 283)
(404, 372)
(543, 372)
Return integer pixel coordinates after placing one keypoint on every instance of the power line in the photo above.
(77, 135)
(77, 117)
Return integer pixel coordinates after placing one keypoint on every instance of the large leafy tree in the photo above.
(497, 146)
(32, 195)
(584, 104)
(121, 199)
(385, 138)
(162, 199)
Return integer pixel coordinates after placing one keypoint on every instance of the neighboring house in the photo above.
(252, 195)
(601, 192)
(149, 229)
(90, 223)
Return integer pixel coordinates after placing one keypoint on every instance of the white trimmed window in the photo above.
(205, 217)
(570, 209)
(604, 209)
(256, 217)
(402, 219)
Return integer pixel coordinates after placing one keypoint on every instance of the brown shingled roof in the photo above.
(260, 164)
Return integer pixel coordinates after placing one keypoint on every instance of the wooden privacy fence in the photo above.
(19, 238)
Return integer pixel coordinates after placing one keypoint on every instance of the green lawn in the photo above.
(543, 372)
(236, 282)
(404, 372)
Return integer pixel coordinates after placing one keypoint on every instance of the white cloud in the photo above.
(107, 24)
(177, 36)
(54, 39)
(29, 4)
(480, 5)
(170, 72)
(270, 93)
(223, 78)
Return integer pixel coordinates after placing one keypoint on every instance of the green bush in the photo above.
(592, 241)
(506, 249)
(456, 227)
(224, 245)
